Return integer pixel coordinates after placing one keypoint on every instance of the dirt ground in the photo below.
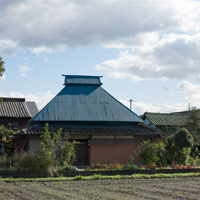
(165, 188)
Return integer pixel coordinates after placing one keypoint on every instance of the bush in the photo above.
(97, 177)
(67, 168)
(150, 153)
(9, 148)
(5, 162)
(161, 154)
(79, 177)
(183, 139)
(179, 147)
(182, 156)
(115, 166)
(36, 161)
(68, 153)
(132, 167)
(53, 146)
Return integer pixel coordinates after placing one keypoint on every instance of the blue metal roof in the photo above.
(91, 80)
(83, 103)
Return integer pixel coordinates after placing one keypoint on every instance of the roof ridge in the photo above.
(178, 113)
(13, 99)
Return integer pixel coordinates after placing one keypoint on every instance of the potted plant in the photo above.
(152, 167)
(92, 166)
(98, 166)
(104, 166)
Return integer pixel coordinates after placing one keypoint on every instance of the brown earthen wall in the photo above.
(105, 151)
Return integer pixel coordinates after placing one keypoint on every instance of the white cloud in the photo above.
(40, 99)
(47, 61)
(50, 25)
(24, 69)
(51, 49)
(191, 92)
(8, 47)
(163, 35)
(140, 107)
(175, 56)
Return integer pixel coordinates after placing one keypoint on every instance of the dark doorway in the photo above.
(81, 153)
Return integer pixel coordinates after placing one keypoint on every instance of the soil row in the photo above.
(14, 174)
(174, 188)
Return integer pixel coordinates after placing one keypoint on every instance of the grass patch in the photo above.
(68, 168)
(78, 178)
(100, 177)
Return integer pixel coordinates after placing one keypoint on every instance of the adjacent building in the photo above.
(166, 122)
(15, 113)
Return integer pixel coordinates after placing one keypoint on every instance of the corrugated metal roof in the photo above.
(96, 130)
(91, 80)
(166, 119)
(14, 107)
(85, 103)
(32, 107)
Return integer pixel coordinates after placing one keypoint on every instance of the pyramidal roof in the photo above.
(84, 100)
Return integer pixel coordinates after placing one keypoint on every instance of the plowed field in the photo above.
(165, 188)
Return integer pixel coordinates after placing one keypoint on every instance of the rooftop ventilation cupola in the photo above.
(82, 80)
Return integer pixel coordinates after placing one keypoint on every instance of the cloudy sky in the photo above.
(146, 50)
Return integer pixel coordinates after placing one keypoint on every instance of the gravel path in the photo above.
(165, 188)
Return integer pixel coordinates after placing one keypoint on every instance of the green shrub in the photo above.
(68, 168)
(132, 167)
(183, 139)
(53, 146)
(87, 169)
(68, 153)
(115, 166)
(150, 153)
(161, 153)
(36, 161)
(182, 156)
(117, 176)
(9, 147)
(79, 177)
(179, 147)
(5, 162)
(97, 176)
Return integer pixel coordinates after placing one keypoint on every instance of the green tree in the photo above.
(2, 69)
(54, 146)
(179, 146)
(4, 134)
(193, 126)
(48, 145)
(183, 139)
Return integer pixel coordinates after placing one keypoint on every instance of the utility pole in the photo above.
(131, 100)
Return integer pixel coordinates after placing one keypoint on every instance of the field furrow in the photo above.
(123, 189)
